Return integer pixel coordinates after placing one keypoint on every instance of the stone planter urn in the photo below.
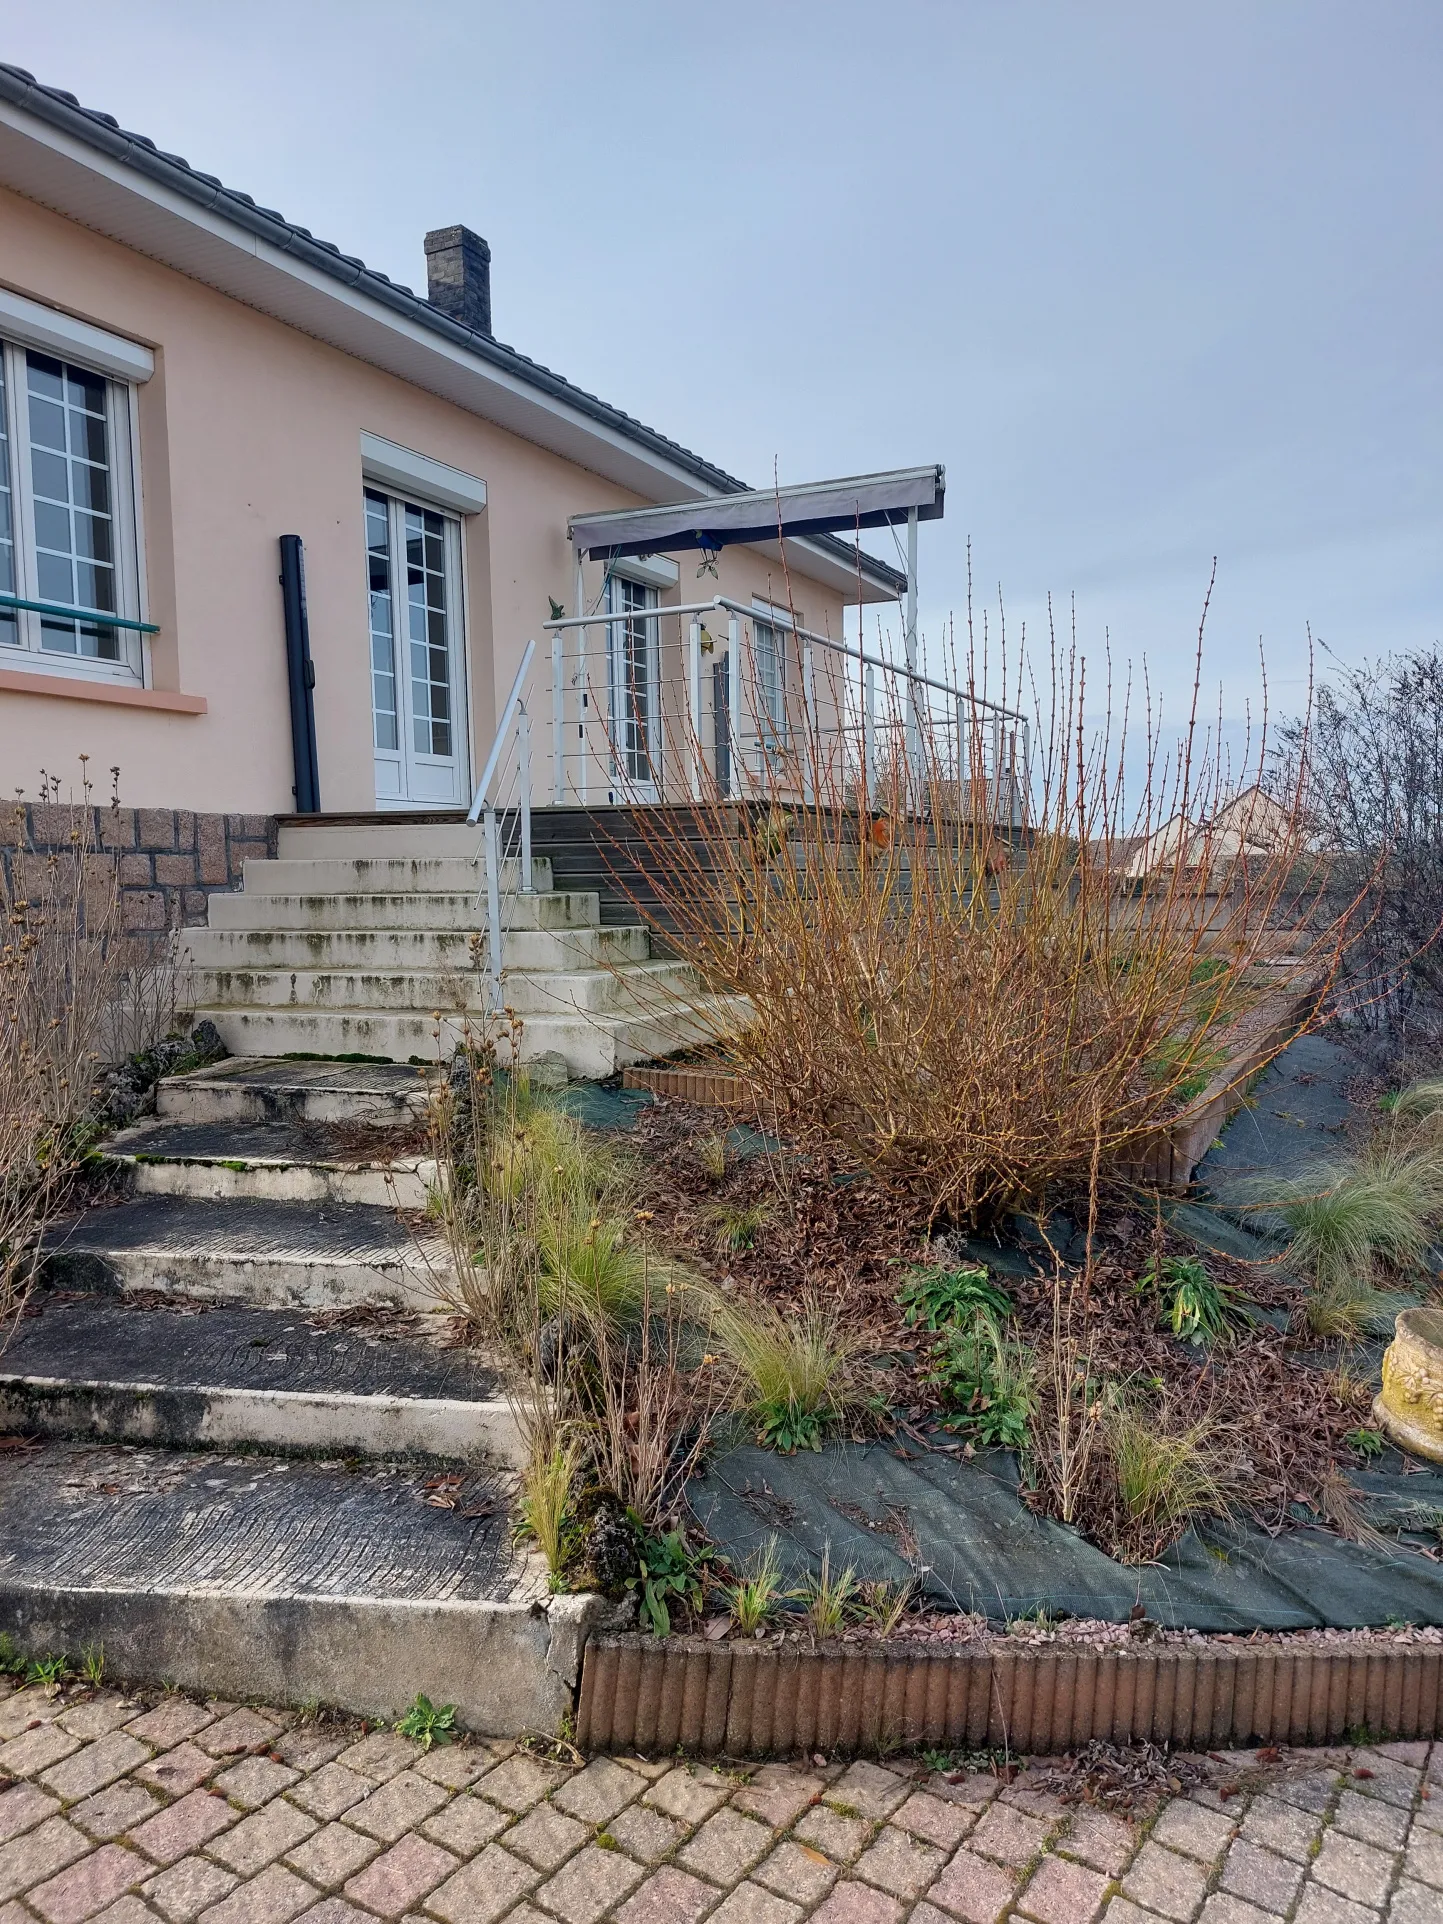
(1410, 1407)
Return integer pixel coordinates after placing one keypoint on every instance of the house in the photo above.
(283, 539)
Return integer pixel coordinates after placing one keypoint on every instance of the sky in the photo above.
(1157, 284)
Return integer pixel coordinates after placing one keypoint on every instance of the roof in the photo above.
(287, 245)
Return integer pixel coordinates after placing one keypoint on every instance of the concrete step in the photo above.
(386, 875)
(382, 1095)
(278, 1255)
(258, 1576)
(240, 909)
(270, 1162)
(307, 841)
(408, 950)
(255, 1378)
(639, 988)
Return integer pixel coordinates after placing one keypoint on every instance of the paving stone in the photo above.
(1104, 1843)
(327, 1858)
(1009, 1835)
(1122, 1910)
(1309, 1790)
(99, 1764)
(928, 1817)
(178, 1770)
(546, 1837)
(97, 1718)
(309, 1746)
(902, 1866)
(188, 1888)
(1195, 1831)
(1385, 1777)
(842, 1838)
(129, 1910)
(1060, 1892)
(973, 1889)
(1037, 1803)
(334, 1910)
(169, 1723)
(646, 1833)
(262, 1837)
(797, 1871)
(1160, 1880)
(671, 1897)
(1320, 1906)
(485, 1890)
(39, 1854)
(1282, 1828)
(17, 1713)
(1261, 1876)
(1430, 1809)
(520, 1782)
(726, 1847)
(589, 1885)
(1356, 1870)
(109, 1812)
(855, 1904)
(255, 1780)
(870, 1789)
(778, 1794)
(750, 1904)
(22, 1807)
(686, 1794)
(975, 1789)
(465, 1825)
(1423, 1860)
(274, 1897)
(403, 1875)
(36, 1750)
(1369, 1818)
(456, 1766)
(381, 1755)
(1414, 1904)
(1223, 1908)
(241, 1730)
(398, 1806)
(87, 1887)
(184, 1827)
(332, 1790)
(597, 1793)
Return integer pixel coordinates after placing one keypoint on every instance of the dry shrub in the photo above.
(955, 978)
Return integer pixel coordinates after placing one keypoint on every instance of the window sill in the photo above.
(20, 681)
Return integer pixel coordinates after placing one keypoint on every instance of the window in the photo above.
(634, 674)
(769, 658)
(413, 561)
(67, 517)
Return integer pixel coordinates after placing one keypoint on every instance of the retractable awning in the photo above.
(764, 514)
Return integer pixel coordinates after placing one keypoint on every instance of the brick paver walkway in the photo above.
(117, 1811)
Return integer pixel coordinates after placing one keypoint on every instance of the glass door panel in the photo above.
(413, 557)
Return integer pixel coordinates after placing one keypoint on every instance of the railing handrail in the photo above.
(503, 729)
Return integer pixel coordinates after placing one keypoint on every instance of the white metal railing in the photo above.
(502, 804)
(645, 719)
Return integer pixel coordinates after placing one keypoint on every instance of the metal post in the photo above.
(558, 719)
(914, 720)
(734, 699)
(581, 689)
(809, 725)
(493, 908)
(523, 786)
(869, 734)
(694, 703)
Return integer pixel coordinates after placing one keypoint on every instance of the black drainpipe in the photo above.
(302, 675)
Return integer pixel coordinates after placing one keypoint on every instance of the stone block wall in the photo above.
(171, 859)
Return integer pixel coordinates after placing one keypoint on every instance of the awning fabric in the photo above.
(818, 507)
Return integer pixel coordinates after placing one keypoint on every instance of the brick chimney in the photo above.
(458, 276)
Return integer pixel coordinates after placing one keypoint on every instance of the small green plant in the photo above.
(711, 1153)
(756, 1597)
(92, 1664)
(1184, 1058)
(1366, 1442)
(545, 1500)
(826, 1599)
(1164, 1475)
(882, 1605)
(426, 1723)
(670, 1572)
(984, 1380)
(936, 1298)
(49, 1671)
(737, 1225)
(794, 1368)
(12, 1663)
(1342, 1219)
(1194, 1305)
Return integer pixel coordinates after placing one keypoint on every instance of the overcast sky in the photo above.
(1156, 283)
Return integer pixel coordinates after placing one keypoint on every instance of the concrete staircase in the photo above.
(371, 940)
(257, 1463)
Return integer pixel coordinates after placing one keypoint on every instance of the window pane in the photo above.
(383, 657)
(9, 626)
(50, 476)
(70, 462)
(428, 629)
(47, 377)
(55, 578)
(47, 424)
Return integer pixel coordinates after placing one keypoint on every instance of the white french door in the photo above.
(418, 675)
(634, 685)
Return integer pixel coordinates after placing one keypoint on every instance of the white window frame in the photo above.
(771, 716)
(132, 669)
(634, 575)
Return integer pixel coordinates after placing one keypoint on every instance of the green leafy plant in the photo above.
(426, 1723)
(49, 1671)
(984, 1380)
(882, 1605)
(795, 1370)
(1165, 1473)
(12, 1663)
(826, 1599)
(1194, 1305)
(756, 1597)
(671, 1572)
(935, 1297)
(737, 1225)
(1366, 1442)
(92, 1664)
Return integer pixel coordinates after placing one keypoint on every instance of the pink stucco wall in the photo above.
(250, 429)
